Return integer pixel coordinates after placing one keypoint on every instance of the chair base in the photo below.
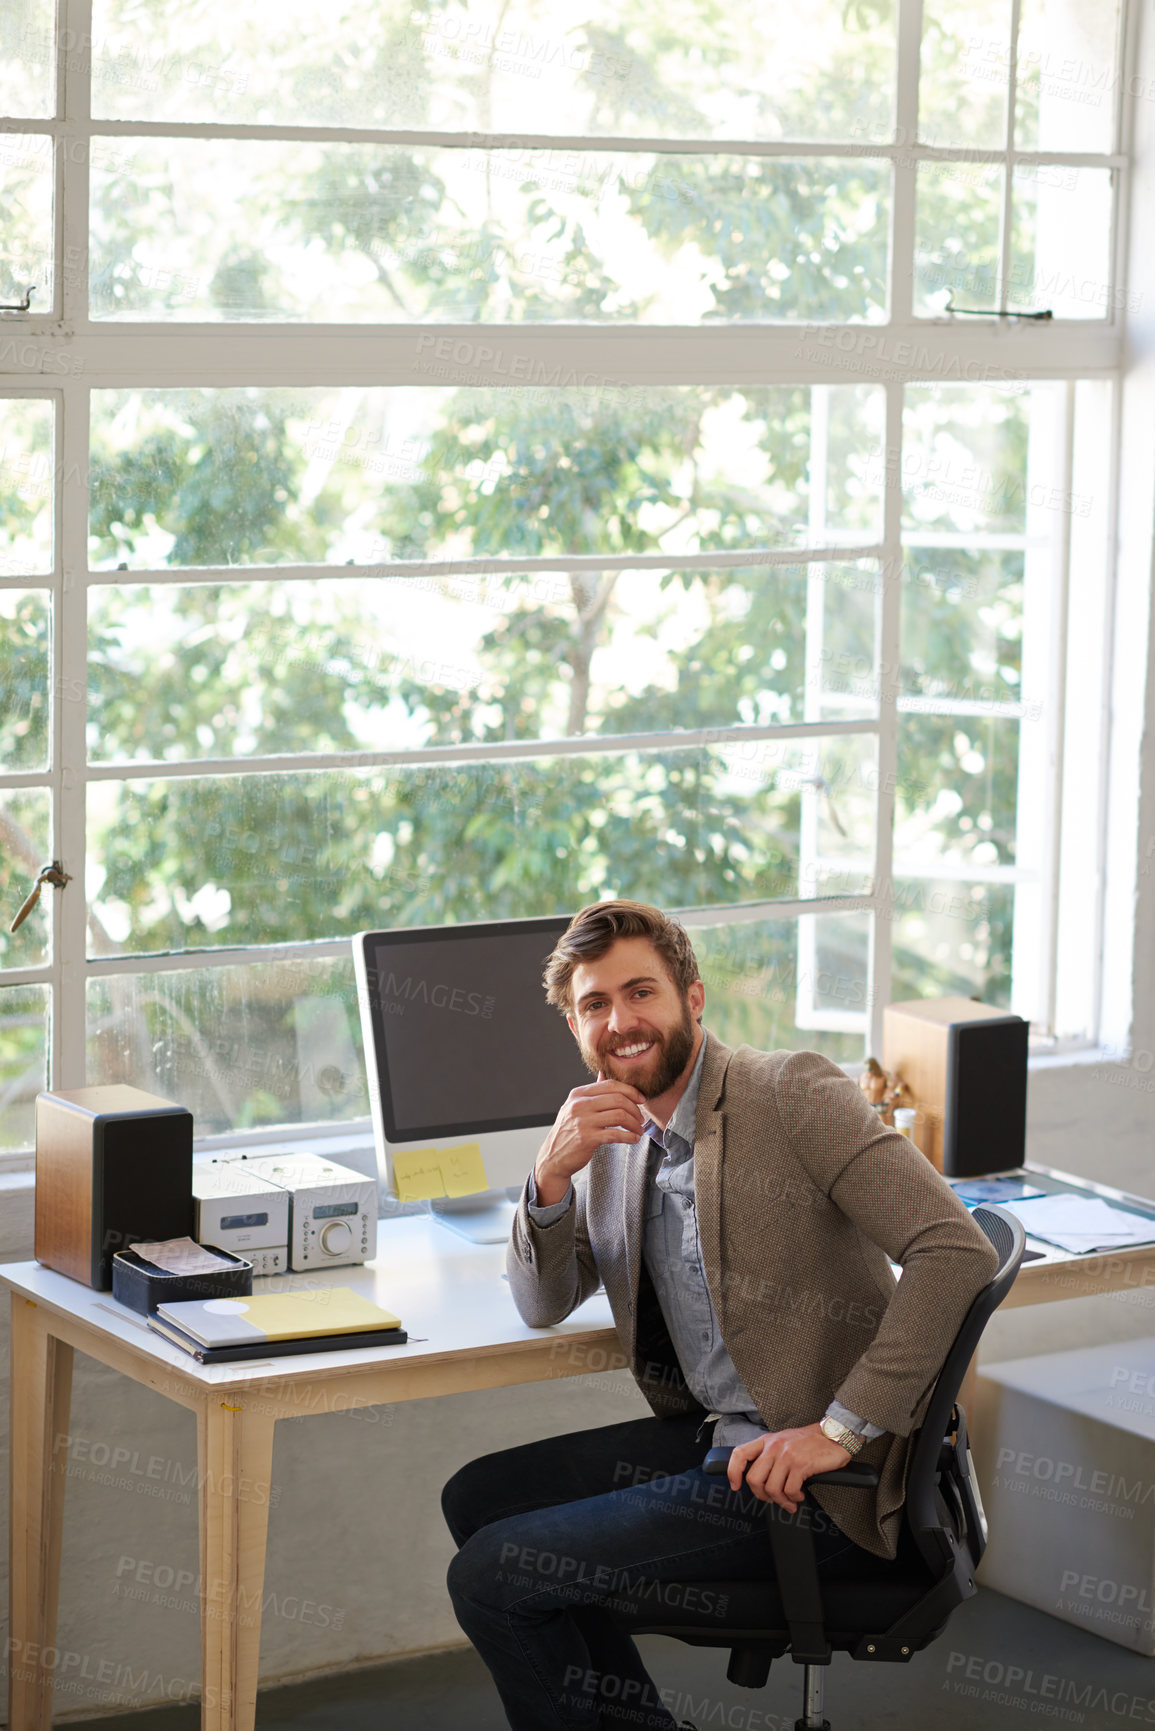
(813, 1683)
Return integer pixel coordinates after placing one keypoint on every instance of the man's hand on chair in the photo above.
(777, 1464)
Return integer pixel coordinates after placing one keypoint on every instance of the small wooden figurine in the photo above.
(873, 1082)
(883, 1090)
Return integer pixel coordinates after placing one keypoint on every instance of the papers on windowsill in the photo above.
(1080, 1223)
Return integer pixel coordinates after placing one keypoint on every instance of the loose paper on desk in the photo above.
(430, 1172)
(181, 1256)
(1081, 1223)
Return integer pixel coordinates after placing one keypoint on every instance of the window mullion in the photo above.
(73, 152)
(503, 565)
(905, 163)
(612, 359)
(1056, 712)
(1004, 270)
(1101, 811)
(882, 947)
(491, 751)
(71, 713)
(70, 670)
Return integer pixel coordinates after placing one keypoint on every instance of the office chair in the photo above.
(883, 1609)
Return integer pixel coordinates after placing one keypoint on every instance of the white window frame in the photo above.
(64, 355)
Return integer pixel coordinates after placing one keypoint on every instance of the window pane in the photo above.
(956, 243)
(280, 1043)
(24, 1045)
(25, 486)
(27, 72)
(761, 991)
(1066, 75)
(965, 66)
(269, 858)
(202, 229)
(529, 66)
(962, 625)
(275, 1043)
(842, 611)
(1060, 241)
(25, 846)
(957, 792)
(964, 457)
(220, 670)
(261, 477)
(952, 938)
(26, 219)
(24, 664)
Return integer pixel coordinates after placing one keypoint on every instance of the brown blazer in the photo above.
(802, 1196)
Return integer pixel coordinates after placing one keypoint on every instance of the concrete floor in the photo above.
(999, 1664)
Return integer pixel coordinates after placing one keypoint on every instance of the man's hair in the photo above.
(598, 927)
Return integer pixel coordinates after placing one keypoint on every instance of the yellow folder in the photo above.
(277, 1316)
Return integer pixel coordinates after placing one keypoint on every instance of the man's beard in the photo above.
(671, 1057)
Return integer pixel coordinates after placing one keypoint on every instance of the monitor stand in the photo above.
(486, 1217)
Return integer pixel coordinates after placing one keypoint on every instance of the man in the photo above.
(742, 1209)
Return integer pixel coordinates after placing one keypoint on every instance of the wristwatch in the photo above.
(847, 1439)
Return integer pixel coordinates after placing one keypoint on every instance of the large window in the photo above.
(462, 461)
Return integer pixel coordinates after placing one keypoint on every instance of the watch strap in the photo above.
(839, 1433)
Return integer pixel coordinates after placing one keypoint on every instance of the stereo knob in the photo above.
(336, 1237)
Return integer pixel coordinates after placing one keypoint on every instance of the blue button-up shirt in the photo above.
(672, 1253)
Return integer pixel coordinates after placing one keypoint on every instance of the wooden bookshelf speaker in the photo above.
(113, 1165)
(966, 1065)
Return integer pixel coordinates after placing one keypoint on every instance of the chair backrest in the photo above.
(925, 1503)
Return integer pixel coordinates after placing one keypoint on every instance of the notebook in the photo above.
(266, 1318)
(276, 1348)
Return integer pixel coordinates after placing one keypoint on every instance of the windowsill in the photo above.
(1074, 1056)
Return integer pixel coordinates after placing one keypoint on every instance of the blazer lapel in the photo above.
(708, 1150)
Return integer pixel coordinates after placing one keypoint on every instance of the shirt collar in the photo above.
(678, 1136)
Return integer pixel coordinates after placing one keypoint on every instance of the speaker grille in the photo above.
(144, 1184)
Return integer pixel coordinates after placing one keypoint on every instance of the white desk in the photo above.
(444, 1289)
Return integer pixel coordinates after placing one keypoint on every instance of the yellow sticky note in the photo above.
(418, 1175)
(463, 1169)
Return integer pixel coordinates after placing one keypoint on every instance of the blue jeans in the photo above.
(553, 1534)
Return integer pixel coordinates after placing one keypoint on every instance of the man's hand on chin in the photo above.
(777, 1464)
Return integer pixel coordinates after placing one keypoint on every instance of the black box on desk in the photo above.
(113, 1167)
(142, 1286)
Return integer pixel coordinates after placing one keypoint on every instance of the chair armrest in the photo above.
(796, 1567)
(862, 1478)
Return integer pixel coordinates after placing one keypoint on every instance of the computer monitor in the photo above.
(461, 1049)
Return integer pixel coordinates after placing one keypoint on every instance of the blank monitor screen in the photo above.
(465, 1040)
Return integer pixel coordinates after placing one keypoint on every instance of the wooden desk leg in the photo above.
(41, 1394)
(234, 1469)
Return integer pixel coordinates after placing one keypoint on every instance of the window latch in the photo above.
(53, 874)
(995, 312)
(19, 306)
